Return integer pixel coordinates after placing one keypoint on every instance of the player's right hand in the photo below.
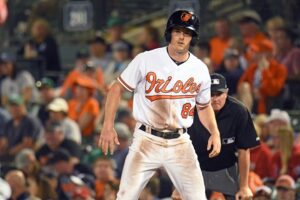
(108, 139)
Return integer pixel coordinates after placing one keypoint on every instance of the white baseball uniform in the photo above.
(165, 95)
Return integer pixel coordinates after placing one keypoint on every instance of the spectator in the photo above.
(47, 94)
(115, 31)
(286, 188)
(121, 152)
(26, 162)
(20, 132)
(249, 24)
(115, 27)
(75, 181)
(286, 159)
(273, 24)
(220, 42)
(62, 161)
(104, 171)
(82, 56)
(29, 94)
(55, 139)
(66, 90)
(90, 70)
(278, 118)
(121, 58)
(216, 196)
(237, 43)
(166, 185)
(42, 45)
(17, 182)
(124, 115)
(286, 53)
(47, 181)
(150, 192)
(15, 81)
(98, 52)
(202, 51)
(149, 37)
(261, 122)
(254, 181)
(231, 69)
(263, 81)
(261, 158)
(262, 193)
(85, 108)
(58, 109)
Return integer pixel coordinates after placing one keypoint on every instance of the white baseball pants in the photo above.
(148, 153)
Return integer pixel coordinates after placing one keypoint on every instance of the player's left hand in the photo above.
(214, 142)
(244, 194)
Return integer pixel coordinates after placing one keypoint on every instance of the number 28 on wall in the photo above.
(187, 110)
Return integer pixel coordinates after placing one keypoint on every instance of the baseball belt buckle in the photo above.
(164, 135)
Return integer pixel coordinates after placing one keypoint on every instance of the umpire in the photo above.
(228, 172)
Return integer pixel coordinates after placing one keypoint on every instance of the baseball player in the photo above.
(167, 87)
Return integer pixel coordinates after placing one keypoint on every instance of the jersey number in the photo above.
(187, 110)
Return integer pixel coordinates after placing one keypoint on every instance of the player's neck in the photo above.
(179, 56)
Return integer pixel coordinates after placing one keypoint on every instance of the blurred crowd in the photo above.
(50, 126)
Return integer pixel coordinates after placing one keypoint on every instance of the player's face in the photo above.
(218, 100)
(180, 39)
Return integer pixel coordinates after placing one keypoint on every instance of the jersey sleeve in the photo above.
(203, 97)
(246, 133)
(131, 76)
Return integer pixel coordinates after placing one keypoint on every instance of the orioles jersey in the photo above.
(165, 93)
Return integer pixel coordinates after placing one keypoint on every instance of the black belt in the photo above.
(165, 135)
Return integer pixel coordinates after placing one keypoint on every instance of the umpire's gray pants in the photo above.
(225, 181)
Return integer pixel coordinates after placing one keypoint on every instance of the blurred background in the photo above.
(73, 22)
(58, 59)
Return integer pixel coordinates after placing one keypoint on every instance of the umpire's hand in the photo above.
(108, 139)
(214, 142)
(244, 194)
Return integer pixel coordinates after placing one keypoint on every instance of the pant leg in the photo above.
(183, 168)
(225, 181)
(140, 165)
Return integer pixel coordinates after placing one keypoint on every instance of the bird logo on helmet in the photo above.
(185, 16)
(184, 19)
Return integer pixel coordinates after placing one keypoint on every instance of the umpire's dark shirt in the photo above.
(237, 132)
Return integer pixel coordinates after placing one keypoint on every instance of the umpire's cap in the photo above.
(218, 83)
(184, 19)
